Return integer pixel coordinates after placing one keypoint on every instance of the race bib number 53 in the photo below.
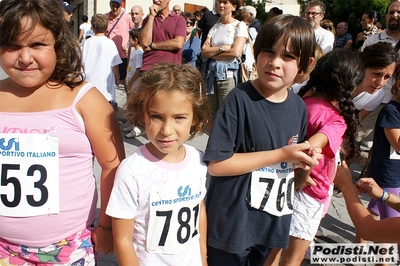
(28, 175)
(272, 189)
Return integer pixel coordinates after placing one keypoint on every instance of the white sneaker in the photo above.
(134, 133)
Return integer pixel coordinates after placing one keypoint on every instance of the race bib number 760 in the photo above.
(272, 189)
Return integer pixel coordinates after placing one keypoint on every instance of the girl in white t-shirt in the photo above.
(157, 199)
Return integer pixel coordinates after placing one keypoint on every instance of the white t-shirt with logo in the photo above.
(164, 199)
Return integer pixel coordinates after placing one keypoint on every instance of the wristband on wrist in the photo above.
(104, 228)
(151, 46)
(387, 198)
(384, 195)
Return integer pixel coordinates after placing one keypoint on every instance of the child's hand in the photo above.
(103, 241)
(301, 181)
(369, 186)
(343, 176)
(303, 155)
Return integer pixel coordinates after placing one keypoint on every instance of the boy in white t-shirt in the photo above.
(132, 72)
(100, 59)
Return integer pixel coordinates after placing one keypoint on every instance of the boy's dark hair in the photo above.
(85, 18)
(334, 78)
(204, 10)
(276, 10)
(99, 23)
(379, 55)
(290, 27)
(134, 33)
(50, 15)
(170, 77)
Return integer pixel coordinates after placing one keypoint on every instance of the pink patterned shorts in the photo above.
(75, 250)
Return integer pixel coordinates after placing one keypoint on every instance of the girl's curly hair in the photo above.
(334, 78)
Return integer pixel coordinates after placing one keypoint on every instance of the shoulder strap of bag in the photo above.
(397, 47)
(115, 24)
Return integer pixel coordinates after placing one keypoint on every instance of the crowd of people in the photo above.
(278, 142)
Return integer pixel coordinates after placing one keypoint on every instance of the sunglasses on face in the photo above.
(189, 23)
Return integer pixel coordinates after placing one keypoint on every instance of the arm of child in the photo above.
(103, 132)
(133, 79)
(241, 163)
(115, 69)
(203, 233)
(124, 249)
(302, 177)
(393, 136)
(369, 186)
(383, 231)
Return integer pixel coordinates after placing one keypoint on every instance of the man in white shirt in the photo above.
(315, 12)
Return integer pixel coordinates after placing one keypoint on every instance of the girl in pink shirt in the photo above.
(53, 125)
(331, 118)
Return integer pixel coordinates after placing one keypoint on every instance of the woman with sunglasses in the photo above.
(192, 47)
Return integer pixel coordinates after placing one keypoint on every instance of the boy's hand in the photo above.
(304, 156)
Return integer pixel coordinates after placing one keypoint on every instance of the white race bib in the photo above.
(174, 217)
(29, 175)
(272, 189)
(394, 155)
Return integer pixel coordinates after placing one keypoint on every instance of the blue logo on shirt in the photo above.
(10, 143)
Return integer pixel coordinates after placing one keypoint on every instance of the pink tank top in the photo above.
(77, 186)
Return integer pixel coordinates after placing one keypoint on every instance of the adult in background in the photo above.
(206, 22)
(163, 35)
(254, 23)
(224, 44)
(68, 10)
(177, 9)
(391, 35)
(343, 38)
(368, 24)
(118, 28)
(274, 11)
(328, 25)
(192, 47)
(315, 12)
(137, 16)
